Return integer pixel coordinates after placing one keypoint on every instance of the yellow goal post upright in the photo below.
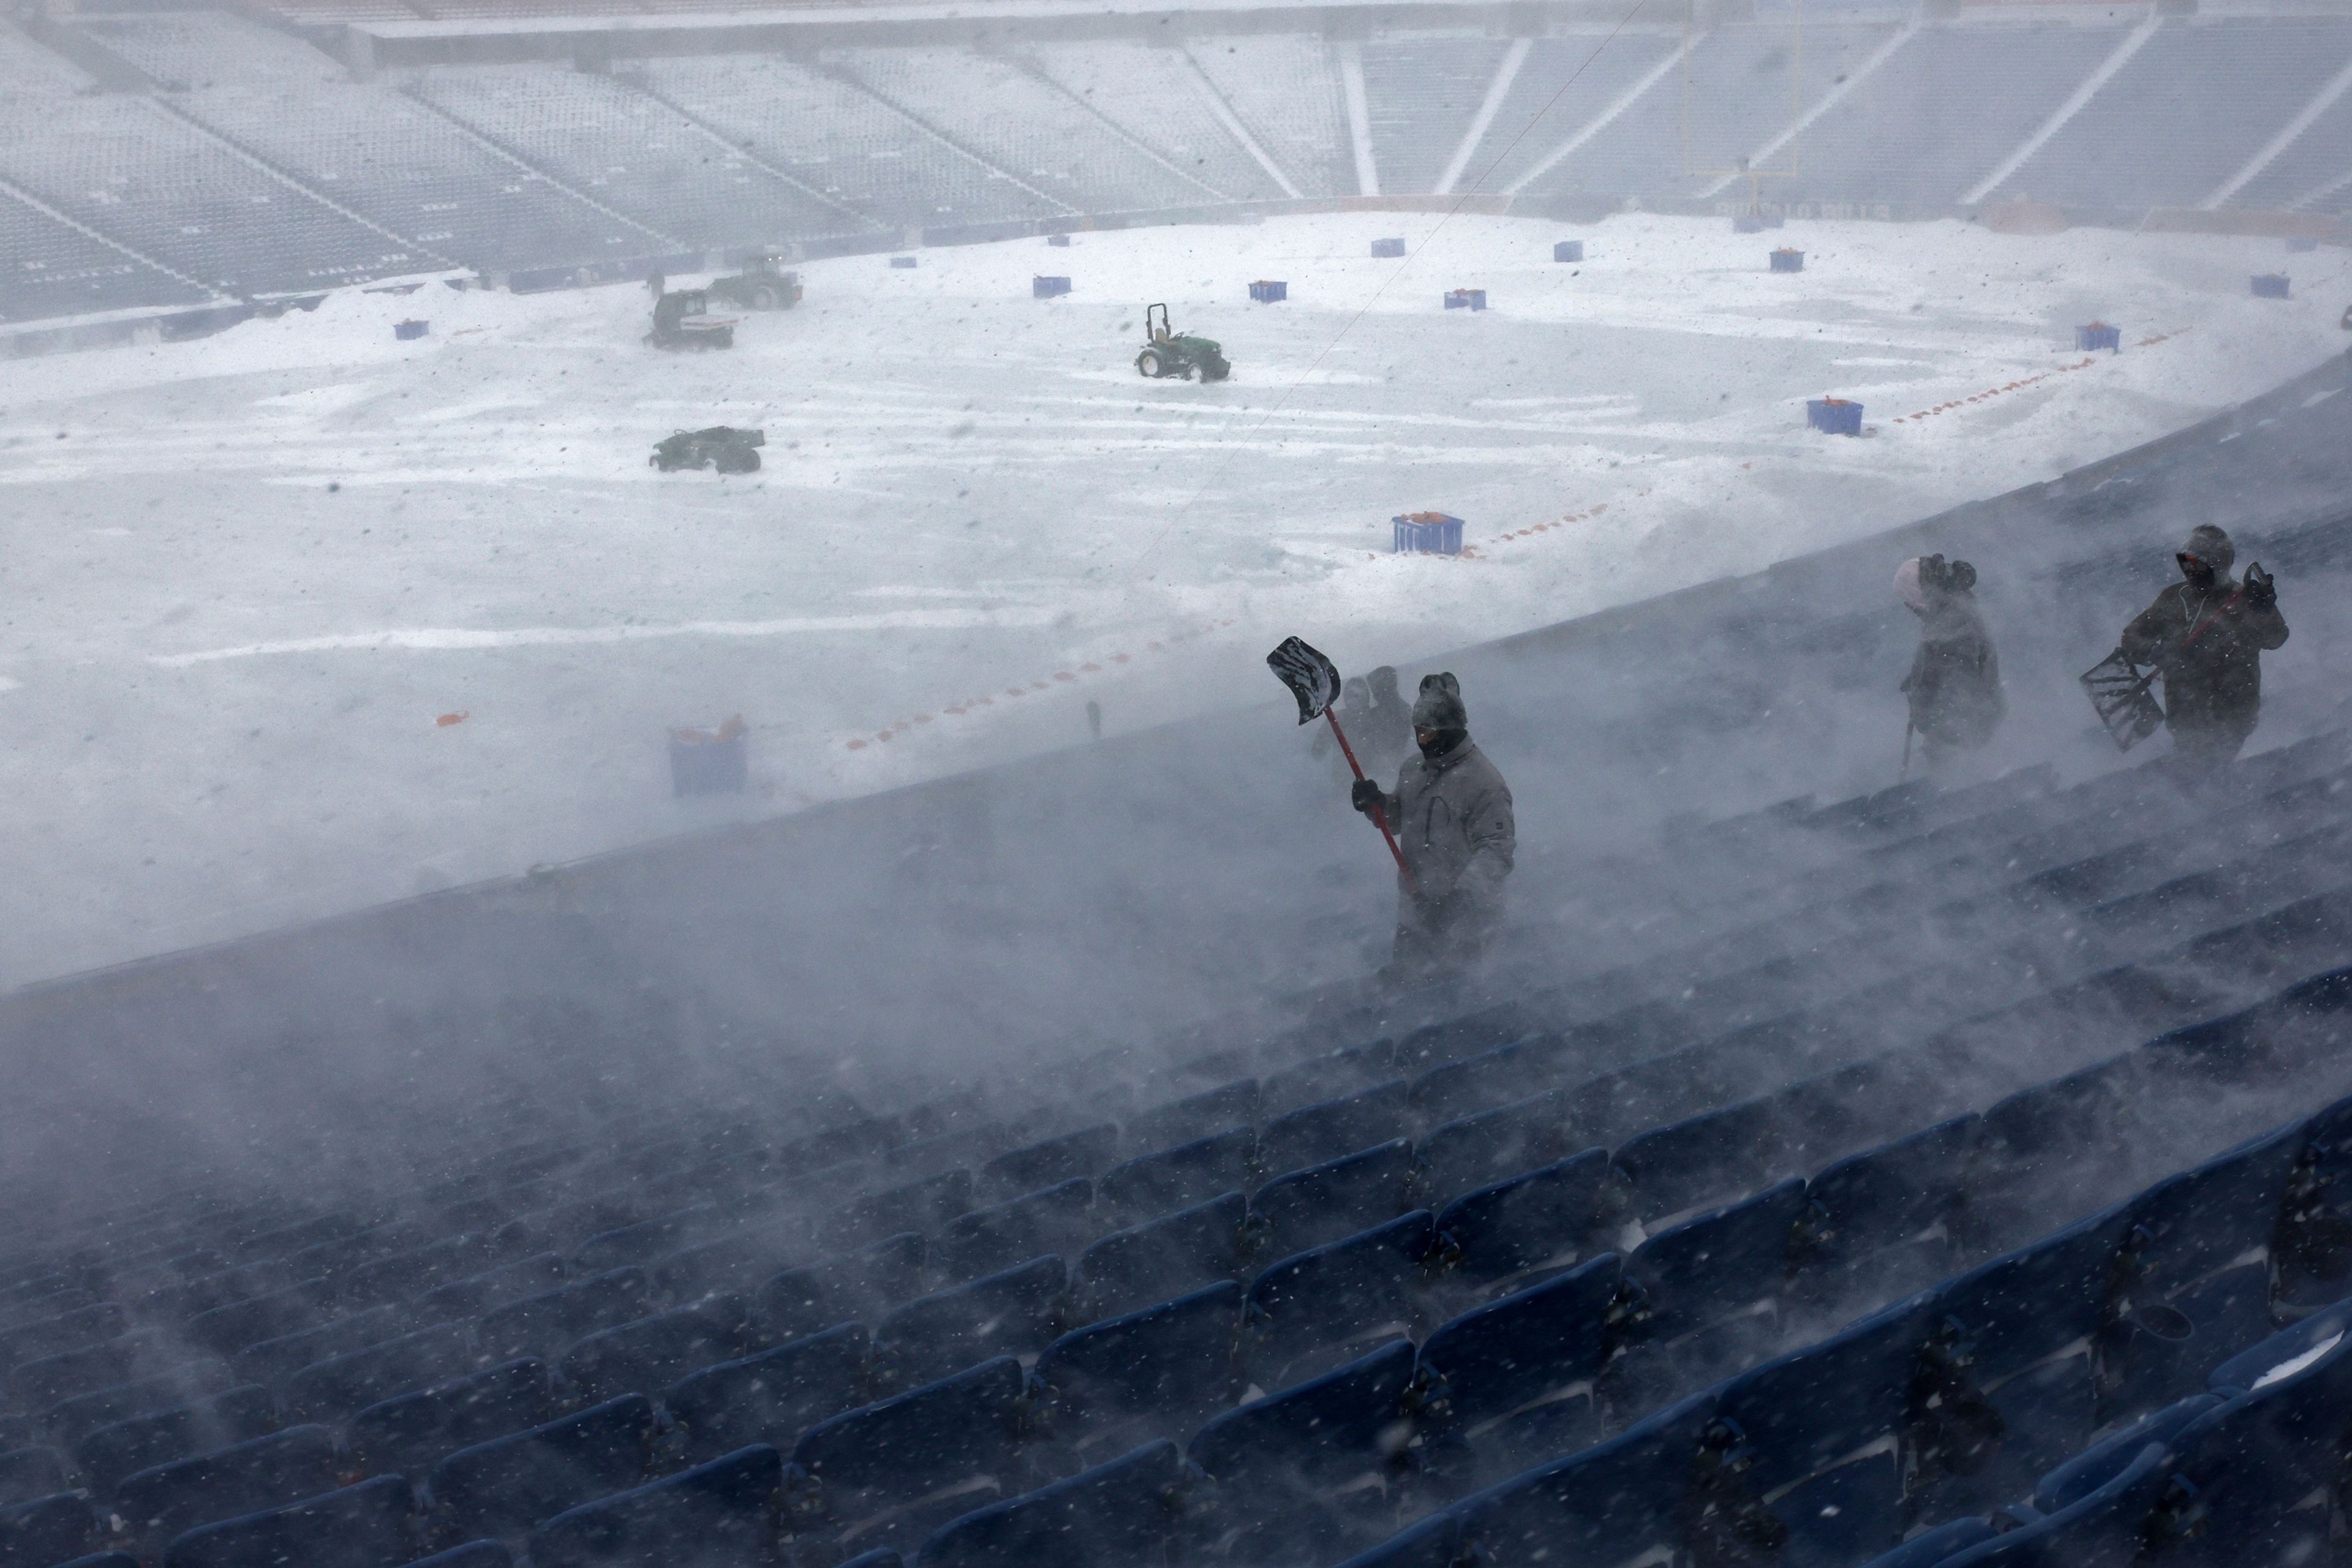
(1745, 169)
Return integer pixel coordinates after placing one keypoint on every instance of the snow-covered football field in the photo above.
(245, 579)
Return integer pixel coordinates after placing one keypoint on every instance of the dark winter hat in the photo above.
(1383, 680)
(2211, 546)
(1439, 707)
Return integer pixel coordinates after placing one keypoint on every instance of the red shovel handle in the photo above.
(1380, 816)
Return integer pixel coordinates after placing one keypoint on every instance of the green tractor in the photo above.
(762, 285)
(1166, 353)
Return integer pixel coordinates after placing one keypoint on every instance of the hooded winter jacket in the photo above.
(2207, 642)
(1452, 817)
(1955, 681)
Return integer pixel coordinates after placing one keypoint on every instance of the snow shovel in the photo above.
(1314, 680)
(2119, 695)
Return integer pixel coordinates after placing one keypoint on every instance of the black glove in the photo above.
(2262, 588)
(1364, 795)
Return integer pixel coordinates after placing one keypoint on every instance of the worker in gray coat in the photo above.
(1452, 817)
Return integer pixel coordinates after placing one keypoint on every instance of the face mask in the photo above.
(2196, 571)
(1442, 742)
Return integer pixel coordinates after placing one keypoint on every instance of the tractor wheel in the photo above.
(1148, 364)
(763, 298)
(1191, 370)
(1217, 372)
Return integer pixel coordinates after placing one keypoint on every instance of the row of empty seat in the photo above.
(272, 171)
(1309, 1287)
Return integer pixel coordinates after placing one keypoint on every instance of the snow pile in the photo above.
(248, 572)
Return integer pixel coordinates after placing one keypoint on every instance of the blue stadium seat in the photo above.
(103, 1560)
(1513, 1379)
(47, 1531)
(1153, 1184)
(29, 1473)
(473, 1554)
(492, 1289)
(121, 1447)
(1313, 1134)
(1505, 1073)
(126, 1358)
(773, 1396)
(1015, 1312)
(1702, 1297)
(67, 1420)
(2108, 1529)
(863, 1284)
(2033, 1133)
(655, 1352)
(1542, 1219)
(1329, 1074)
(546, 1324)
(739, 1261)
(2109, 1458)
(1178, 1121)
(2011, 1368)
(2256, 1465)
(1304, 1208)
(371, 1525)
(64, 1331)
(409, 1433)
(2306, 1341)
(1611, 1503)
(880, 1557)
(1314, 1309)
(1033, 1167)
(272, 1361)
(1704, 1159)
(1163, 1257)
(334, 1388)
(647, 1239)
(1488, 1146)
(1930, 1547)
(1437, 1541)
(508, 1484)
(1791, 1429)
(2316, 1241)
(1055, 1219)
(407, 1275)
(1276, 1461)
(951, 1435)
(229, 1329)
(924, 1205)
(719, 1514)
(2198, 1267)
(162, 1500)
(1157, 1372)
(1880, 1224)
(1119, 1514)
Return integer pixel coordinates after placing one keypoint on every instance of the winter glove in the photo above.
(1364, 795)
(2262, 588)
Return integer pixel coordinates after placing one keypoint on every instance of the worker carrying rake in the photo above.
(1449, 823)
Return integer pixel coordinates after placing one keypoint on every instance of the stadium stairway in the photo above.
(1944, 1141)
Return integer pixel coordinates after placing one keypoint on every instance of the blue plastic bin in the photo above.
(2271, 285)
(1465, 299)
(1388, 247)
(902, 261)
(405, 331)
(707, 761)
(1044, 288)
(1568, 250)
(2099, 335)
(1427, 534)
(1835, 417)
(1267, 291)
(1787, 260)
